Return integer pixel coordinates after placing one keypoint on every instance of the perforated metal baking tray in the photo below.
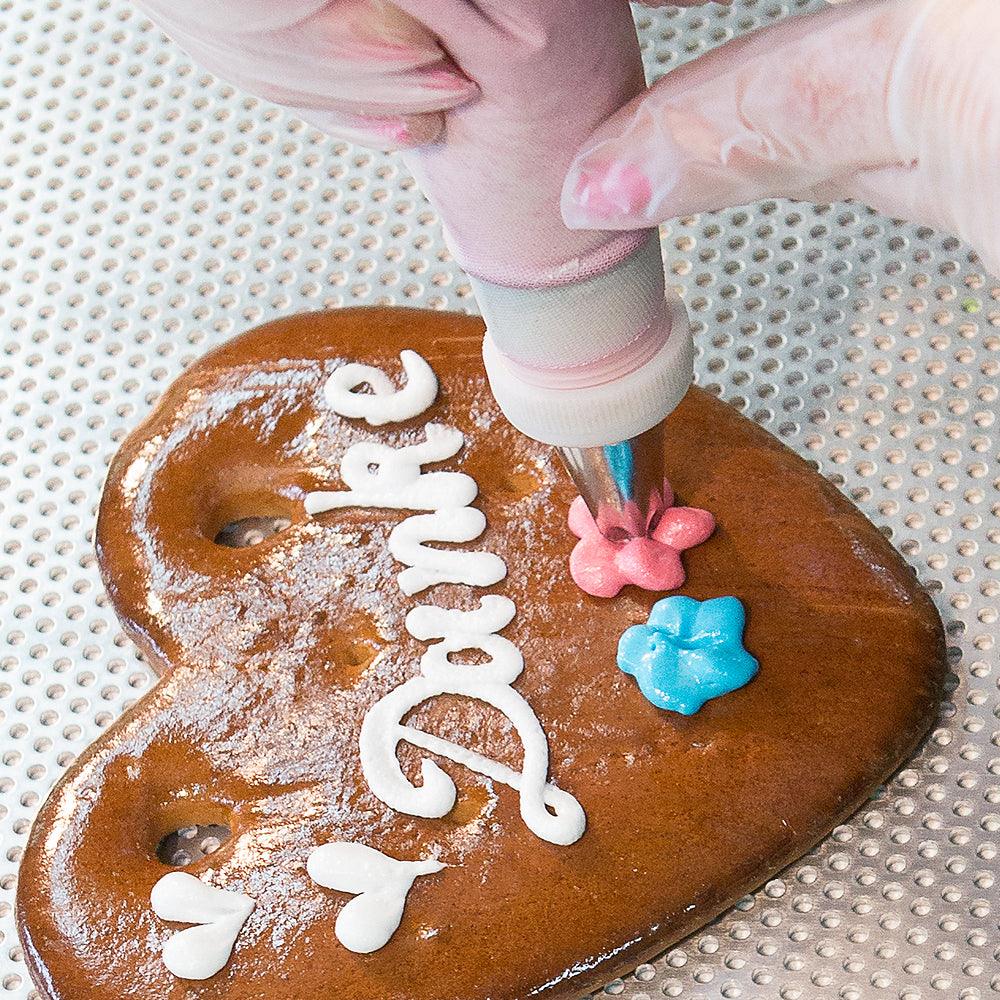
(148, 211)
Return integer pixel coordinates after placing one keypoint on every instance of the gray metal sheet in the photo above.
(148, 211)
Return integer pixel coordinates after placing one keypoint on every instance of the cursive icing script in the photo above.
(392, 478)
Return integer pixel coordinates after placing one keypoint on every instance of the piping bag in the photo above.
(583, 349)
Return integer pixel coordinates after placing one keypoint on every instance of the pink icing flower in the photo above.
(602, 567)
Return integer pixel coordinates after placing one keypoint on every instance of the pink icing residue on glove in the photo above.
(602, 567)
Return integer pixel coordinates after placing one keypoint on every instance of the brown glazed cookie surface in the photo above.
(272, 654)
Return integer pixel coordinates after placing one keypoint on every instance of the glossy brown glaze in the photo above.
(272, 654)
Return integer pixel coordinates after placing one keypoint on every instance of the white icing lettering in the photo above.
(461, 630)
(381, 733)
(430, 566)
(201, 951)
(379, 884)
(380, 476)
(392, 478)
(548, 811)
(385, 404)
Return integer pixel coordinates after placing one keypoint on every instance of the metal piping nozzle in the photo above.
(622, 484)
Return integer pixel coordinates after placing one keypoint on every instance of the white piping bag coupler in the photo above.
(583, 350)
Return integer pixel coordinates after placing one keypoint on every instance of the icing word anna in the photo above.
(379, 476)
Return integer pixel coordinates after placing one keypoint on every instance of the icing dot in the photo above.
(601, 566)
(689, 652)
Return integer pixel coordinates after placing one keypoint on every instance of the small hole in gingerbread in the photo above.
(189, 844)
(248, 531)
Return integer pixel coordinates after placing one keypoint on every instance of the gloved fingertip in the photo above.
(682, 3)
(446, 79)
(438, 88)
(605, 192)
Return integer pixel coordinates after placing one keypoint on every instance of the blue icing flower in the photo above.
(690, 651)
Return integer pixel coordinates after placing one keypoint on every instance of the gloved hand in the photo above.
(893, 102)
(360, 70)
(580, 348)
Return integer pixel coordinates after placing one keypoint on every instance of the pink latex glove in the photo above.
(548, 72)
(383, 74)
(893, 102)
(360, 70)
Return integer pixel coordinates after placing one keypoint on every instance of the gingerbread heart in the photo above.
(309, 695)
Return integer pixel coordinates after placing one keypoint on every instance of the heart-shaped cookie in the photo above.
(274, 654)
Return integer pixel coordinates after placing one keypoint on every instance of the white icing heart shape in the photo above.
(201, 951)
(379, 884)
